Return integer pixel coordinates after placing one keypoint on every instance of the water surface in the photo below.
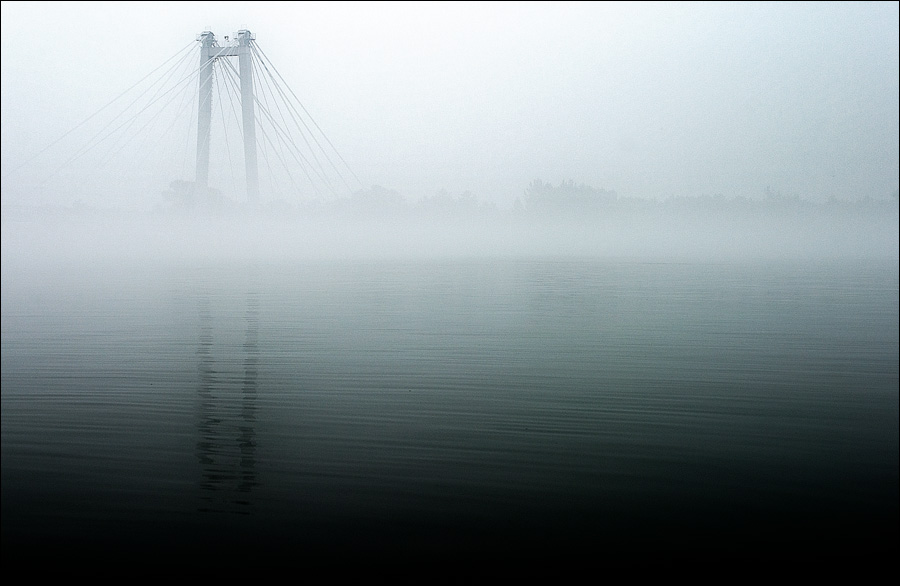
(434, 410)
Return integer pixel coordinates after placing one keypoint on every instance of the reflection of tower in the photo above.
(226, 443)
(247, 440)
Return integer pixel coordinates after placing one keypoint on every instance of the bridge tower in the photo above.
(210, 51)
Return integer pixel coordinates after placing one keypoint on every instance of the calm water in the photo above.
(450, 411)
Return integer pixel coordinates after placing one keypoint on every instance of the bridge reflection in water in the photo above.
(226, 421)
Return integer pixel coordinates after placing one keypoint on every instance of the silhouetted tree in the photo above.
(568, 198)
(185, 195)
(443, 205)
(378, 201)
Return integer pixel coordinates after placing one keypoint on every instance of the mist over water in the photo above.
(509, 393)
(700, 229)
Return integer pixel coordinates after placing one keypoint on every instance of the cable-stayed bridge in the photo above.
(216, 119)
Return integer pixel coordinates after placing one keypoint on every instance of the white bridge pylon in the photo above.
(210, 52)
(145, 137)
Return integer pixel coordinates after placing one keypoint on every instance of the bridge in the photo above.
(195, 117)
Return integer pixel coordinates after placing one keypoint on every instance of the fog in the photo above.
(675, 230)
(622, 130)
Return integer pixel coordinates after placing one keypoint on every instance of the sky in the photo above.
(650, 100)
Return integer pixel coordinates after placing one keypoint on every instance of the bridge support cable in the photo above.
(145, 151)
(103, 108)
(106, 133)
(228, 86)
(277, 147)
(304, 130)
(286, 140)
(283, 141)
(232, 88)
(267, 62)
(318, 168)
(277, 150)
(266, 102)
(298, 157)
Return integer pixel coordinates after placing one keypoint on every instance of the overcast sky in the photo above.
(648, 99)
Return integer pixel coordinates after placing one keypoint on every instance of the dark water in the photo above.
(450, 412)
